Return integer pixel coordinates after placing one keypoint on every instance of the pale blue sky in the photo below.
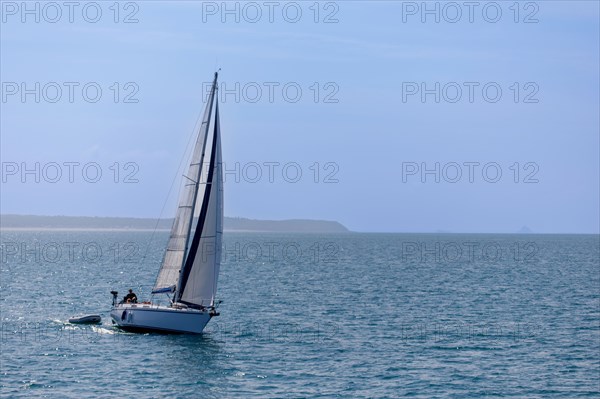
(367, 134)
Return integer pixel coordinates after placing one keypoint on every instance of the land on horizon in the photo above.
(231, 224)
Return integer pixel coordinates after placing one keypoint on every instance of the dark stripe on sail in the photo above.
(193, 305)
(201, 219)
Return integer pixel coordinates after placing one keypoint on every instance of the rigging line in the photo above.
(183, 157)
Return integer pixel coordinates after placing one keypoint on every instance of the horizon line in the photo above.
(258, 231)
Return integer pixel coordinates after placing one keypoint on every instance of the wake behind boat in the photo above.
(191, 263)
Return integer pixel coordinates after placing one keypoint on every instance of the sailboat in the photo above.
(190, 266)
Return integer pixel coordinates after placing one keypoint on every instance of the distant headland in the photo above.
(231, 224)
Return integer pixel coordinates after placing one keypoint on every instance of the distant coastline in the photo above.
(231, 224)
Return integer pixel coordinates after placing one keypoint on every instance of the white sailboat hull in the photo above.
(154, 318)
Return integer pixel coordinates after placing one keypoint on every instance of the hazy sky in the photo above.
(497, 103)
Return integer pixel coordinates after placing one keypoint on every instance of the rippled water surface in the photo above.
(352, 315)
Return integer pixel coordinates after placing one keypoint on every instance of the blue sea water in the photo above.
(307, 315)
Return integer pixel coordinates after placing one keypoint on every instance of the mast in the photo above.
(177, 294)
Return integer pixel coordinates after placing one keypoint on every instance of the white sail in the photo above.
(177, 247)
(198, 284)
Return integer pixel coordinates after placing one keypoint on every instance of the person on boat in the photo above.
(130, 298)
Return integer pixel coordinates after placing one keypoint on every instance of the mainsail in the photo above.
(191, 263)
